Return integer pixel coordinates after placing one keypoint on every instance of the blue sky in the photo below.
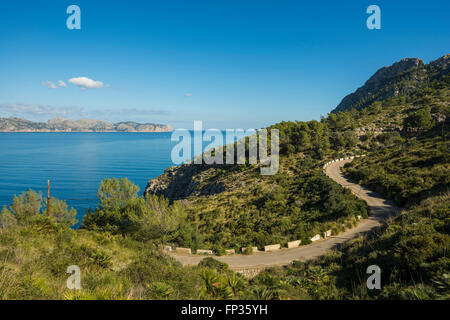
(232, 64)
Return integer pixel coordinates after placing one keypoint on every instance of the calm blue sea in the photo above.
(75, 163)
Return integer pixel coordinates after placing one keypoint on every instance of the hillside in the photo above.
(399, 79)
(82, 125)
(405, 142)
(234, 206)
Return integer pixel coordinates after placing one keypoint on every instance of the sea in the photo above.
(76, 163)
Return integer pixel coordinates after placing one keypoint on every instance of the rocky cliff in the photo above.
(398, 79)
(187, 180)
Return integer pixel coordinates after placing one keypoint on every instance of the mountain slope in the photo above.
(234, 206)
(405, 140)
(401, 78)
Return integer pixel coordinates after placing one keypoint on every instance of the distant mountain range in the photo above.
(401, 78)
(83, 125)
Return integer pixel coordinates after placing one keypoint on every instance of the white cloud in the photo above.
(84, 83)
(49, 84)
(62, 84)
(188, 94)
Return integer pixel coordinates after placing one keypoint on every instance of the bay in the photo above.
(76, 163)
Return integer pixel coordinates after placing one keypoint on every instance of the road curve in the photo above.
(380, 210)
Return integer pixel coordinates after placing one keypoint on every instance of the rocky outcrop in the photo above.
(376, 130)
(398, 79)
(82, 125)
(186, 180)
(441, 63)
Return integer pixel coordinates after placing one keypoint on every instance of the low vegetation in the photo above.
(118, 247)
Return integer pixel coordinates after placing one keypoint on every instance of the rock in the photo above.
(272, 247)
(327, 233)
(255, 249)
(207, 252)
(183, 250)
(180, 182)
(441, 63)
(400, 78)
(294, 244)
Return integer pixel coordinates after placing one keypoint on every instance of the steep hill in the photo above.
(405, 140)
(399, 79)
(234, 206)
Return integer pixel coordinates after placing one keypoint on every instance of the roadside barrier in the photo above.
(272, 247)
(294, 244)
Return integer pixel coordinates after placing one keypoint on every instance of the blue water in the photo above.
(75, 163)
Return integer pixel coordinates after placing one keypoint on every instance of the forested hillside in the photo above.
(118, 248)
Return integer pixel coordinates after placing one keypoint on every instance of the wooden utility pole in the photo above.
(48, 197)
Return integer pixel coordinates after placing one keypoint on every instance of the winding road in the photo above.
(380, 210)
